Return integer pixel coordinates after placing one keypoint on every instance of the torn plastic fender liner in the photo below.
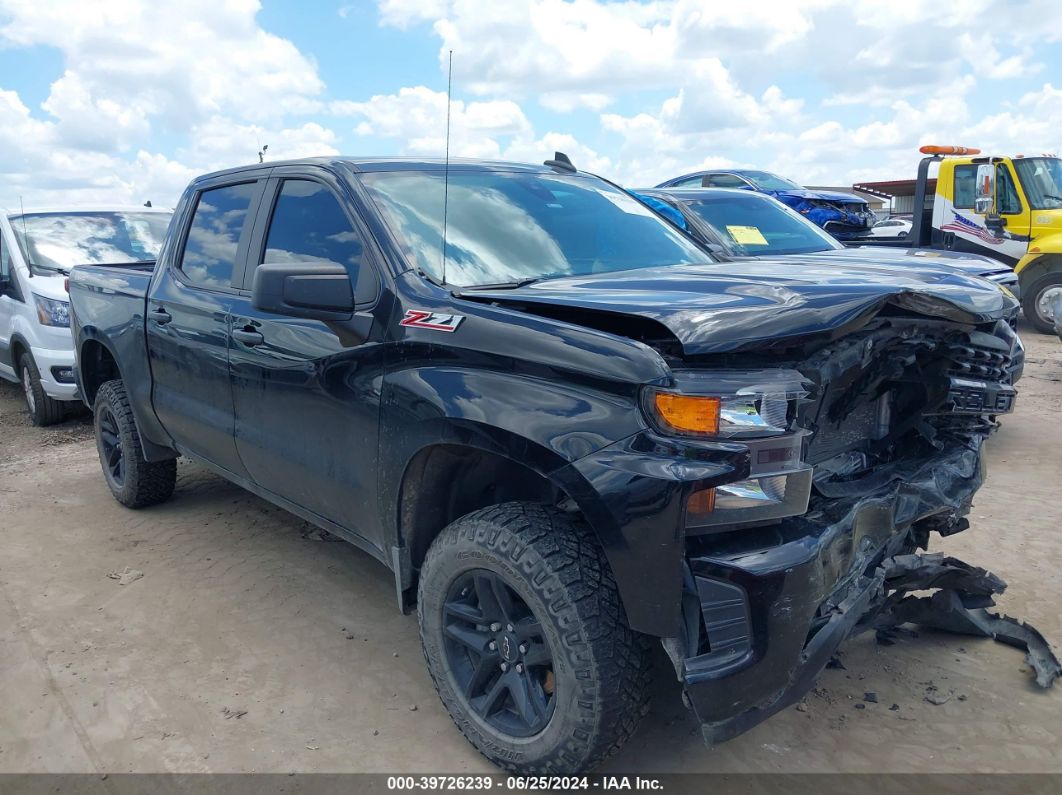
(959, 606)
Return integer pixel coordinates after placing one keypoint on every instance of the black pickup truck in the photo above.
(566, 429)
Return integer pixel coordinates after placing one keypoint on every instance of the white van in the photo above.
(37, 250)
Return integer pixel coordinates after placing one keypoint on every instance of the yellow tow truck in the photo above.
(1007, 208)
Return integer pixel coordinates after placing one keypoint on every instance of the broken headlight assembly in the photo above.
(755, 408)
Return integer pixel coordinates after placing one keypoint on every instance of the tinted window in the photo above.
(1006, 195)
(766, 181)
(510, 226)
(5, 258)
(753, 225)
(7, 269)
(309, 225)
(965, 187)
(726, 181)
(689, 182)
(210, 253)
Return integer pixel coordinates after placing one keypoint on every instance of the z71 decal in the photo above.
(420, 318)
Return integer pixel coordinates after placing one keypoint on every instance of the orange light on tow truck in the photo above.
(948, 150)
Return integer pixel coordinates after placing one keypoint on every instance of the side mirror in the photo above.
(985, 195)
(309, 290)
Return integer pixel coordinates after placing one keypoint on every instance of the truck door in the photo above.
(189, 310)
(958, 225)
(10, 300)
(307, 392)
(1013, 209)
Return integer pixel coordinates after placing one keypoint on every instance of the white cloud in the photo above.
(202, 72)
(416, 118)
(131, 64)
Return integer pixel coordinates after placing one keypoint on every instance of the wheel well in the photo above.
(97, 367)
(18, 347)
(1042, 265)
(444, 482)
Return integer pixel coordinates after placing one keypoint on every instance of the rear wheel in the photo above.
(1039, 300)
(527, 642)
(44, 410)
(134, 482)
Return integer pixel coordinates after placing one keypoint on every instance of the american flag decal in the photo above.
(965, 225)
(421, 318)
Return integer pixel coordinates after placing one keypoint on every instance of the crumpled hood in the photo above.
(919, 259)
(822, 195)
(721, 307)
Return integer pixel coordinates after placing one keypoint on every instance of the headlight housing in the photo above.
(756, 408)
(731, 404)
(51, 312)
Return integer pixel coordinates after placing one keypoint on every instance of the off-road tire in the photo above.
(601, 667)
(43, 410)
(1031, 297)
(143, 483)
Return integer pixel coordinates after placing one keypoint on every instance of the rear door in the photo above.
(307, 392)
(189, 312)
(11, 302)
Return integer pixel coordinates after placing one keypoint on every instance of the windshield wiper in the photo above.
(1053, 196)
(45, 269)
(505, 285)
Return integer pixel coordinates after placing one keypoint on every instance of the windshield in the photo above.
(764, 180)
(752, 225)
(504, 227)
(53, 242)
(1042, 179)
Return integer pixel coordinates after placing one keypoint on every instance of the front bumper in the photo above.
(774, 604)
(54, 366)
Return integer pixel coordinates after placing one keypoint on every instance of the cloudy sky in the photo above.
(123, 100)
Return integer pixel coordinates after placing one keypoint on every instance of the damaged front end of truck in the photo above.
(879, 444)
(817, 429)
(891, 422)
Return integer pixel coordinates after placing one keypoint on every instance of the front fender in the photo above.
(540, 423)
(1037, 261)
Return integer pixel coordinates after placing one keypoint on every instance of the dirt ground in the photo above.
(251, 644)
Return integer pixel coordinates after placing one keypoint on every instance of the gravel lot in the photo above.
(251, 644)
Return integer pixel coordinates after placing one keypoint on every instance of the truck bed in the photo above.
(107, 304)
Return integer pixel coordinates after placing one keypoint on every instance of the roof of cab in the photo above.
(370, 164)
(692, 194)
(98, 207)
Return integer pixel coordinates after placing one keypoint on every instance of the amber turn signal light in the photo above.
(688, 413)
(701, 502)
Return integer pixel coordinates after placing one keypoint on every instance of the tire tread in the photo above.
(147, 482)
(567, 565)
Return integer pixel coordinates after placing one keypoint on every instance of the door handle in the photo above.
(250, 338)
(160, 315)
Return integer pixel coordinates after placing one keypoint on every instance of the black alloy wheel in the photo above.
(110, 445)
(498, 654)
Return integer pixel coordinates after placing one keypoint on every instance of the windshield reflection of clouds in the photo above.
(62, 240)
(489, 238)
(504, 227)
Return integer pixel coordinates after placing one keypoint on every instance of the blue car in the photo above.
(843, 215)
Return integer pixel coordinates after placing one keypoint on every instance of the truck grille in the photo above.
(910, 389)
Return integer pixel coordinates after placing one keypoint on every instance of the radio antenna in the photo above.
(25, 237)
(446, 161)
